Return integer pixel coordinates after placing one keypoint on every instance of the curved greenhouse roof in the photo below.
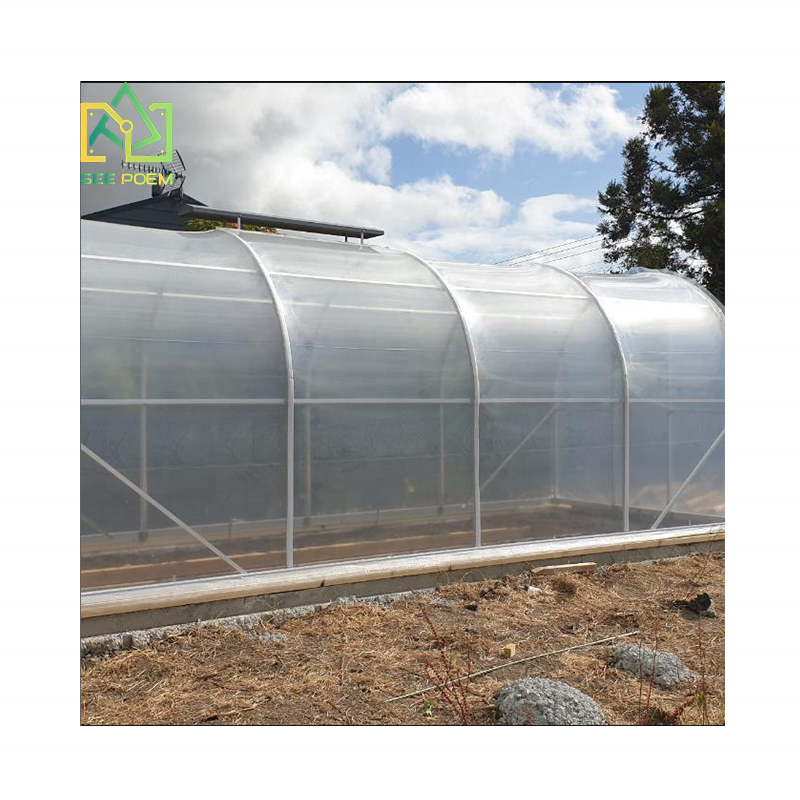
(252, 401)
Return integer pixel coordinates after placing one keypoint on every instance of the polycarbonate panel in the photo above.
(116, 551)
(367, 324)
(379, 479)
(172, 332)
(589, 455)
(219, 469)
(168, 316)
(671, 332)
(212, 248)
(550, 470)
(516, 470)
(338, 261)
(537, 333)
(516, 453)
(667, 443)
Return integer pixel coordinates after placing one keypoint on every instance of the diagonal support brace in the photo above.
(689, 479)
(165, 511)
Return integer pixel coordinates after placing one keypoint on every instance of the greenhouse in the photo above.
(260, 401)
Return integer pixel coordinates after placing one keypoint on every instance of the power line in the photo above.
(574, 247)
(573, 255)
(547, 249)
(560, 257)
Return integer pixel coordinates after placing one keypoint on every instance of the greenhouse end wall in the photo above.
(256, 401)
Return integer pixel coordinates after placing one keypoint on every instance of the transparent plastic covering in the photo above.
(255, 401)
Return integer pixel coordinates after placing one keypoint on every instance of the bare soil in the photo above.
(344, 663)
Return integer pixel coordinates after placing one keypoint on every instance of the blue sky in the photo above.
(529, 171)
(456, 171)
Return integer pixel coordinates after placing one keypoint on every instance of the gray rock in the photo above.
(670, 671)
(348, 600)
(272, 638)
(703, 605)
(443, 602)
(540, 701)
(533, 590)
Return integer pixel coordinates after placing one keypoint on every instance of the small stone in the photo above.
(272, 638)
(471, 606)
(443, 602)
(703, 605)
(509, 650)
(666, 669)
(540, 701)
(533, 590)
(349, 600)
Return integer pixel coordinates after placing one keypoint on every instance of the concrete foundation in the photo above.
(138, 611)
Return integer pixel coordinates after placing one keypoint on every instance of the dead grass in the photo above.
(340, 665)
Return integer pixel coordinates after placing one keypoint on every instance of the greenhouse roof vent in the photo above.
(281, 223)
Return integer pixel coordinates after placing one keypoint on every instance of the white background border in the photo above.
(48, 47)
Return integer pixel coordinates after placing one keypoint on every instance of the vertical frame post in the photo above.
(307, 456)
(441, 459)
(556, 456)
(143, 505)
(669, 455)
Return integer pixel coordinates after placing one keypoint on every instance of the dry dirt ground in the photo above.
(342, 664)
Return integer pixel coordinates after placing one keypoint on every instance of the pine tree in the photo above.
(668, 209)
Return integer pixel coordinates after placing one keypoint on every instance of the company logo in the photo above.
(90, 112)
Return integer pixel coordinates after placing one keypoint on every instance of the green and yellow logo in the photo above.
(89, 110)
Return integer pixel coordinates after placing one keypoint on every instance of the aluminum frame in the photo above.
(439, 273)
(163, 509)
(476, 395)
(287, 354)
(626, 398)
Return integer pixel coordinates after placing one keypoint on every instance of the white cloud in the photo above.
(573, 120)
(322, 151)
(538, 223)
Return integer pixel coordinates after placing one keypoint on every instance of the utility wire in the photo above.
(549, 260)
(547, 249)
(574, 247)
(573, 255)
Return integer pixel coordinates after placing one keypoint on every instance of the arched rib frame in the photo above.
(626, 395)
(476, 395)
(287, 352)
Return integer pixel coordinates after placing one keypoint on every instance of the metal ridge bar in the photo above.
(338, 401)
(689, 478)
(178, 295)
(165, 511)
(194, 401)
(476, 394)
(324, 401)
(666, 400)
(522, 294)
(487, 400)
(287, 352)
(167, 263)
(283, 223)
(337, 279)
